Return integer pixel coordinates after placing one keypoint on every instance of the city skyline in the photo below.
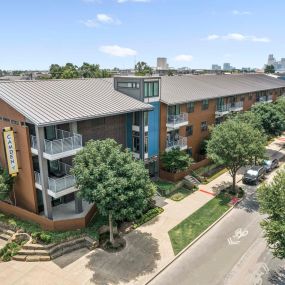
(117, 33)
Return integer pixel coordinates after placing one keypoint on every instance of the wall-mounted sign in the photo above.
(11, 154)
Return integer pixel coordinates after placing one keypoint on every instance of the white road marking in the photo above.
(238, 234)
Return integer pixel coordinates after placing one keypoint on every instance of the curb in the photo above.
(193, 242)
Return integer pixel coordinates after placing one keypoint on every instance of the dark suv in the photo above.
(254, 175)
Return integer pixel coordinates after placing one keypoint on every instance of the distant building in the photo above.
(216, 67)
(278, 65)
(227, 66)
(162, 63)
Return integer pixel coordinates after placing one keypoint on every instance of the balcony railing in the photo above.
(57, 185)
(264, 99)
(177, 120)
(180, 142)
(236, 106)
(64, 141)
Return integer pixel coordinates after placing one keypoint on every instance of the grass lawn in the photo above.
(180, 194)
(164, 187)
(190, 228)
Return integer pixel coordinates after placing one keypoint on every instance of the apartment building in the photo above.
(190, 104)
(51, 121)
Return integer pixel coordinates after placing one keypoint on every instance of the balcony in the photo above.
(264, 99)
(222, 110)
(58, 186)
(236, 106)
(180, 142)
(177, 121)
(65, 144)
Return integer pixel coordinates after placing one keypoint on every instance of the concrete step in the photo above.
(33, 252)
(5, 236)
(19, 257)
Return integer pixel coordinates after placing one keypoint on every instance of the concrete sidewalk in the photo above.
(147, 251)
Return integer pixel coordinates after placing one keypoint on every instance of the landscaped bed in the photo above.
(167, 189)
(190, 228)
(208, 173)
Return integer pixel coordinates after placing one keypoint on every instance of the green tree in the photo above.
(70, 71)
(108, 176)
(271, 199)
(6, 183)
(235, 144)
(175, 160)
(56, 71)
(143, 69)
(272, 120)
(269, 69)
(280, 106)
(88, 70)
(249, 118)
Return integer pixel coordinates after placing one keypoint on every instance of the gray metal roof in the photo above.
(181, 89)
(47, 102)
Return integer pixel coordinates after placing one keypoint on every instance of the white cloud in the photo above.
(212, 37)
(135, 1)
(241, 13)
(100, 19)
(184, 57)
(116, 50)
(237, 37)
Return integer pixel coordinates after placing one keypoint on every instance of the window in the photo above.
(151, 89)
(250, 97)
(241, 98)
(205, 104)
(190, 152)
(190, 107)
(204, 126)
(173, 110)
(129, 85)
(136, 142)
(189, 131)
(136, 119)
(146, 142)
(145, 116)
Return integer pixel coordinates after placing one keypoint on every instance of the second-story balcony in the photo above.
(177, 121)
(264, 99)
(65, 144)
(59, 183)
(180, 142)
(236, 106)
(222, 110)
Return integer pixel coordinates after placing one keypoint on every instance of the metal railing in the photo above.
(236, 106)
(64, 141)
(177, 119)
(265, 99)
(179, 142)
(223, 108)
(58, 184)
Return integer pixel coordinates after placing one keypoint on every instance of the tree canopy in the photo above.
(70, 70)
(108, 176)
(269, 69)
(271, 118)
(271, 199)
(142, 68)
(235, 144)
(175, 160)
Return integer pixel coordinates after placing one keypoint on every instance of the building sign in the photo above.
(11, 154)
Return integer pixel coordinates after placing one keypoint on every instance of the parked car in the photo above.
(270, 164)
(253, 175)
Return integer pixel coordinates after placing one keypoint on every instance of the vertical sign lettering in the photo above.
(11, 154)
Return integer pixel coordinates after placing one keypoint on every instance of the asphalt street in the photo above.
(233, 252)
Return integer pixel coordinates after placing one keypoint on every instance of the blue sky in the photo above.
(115, 33)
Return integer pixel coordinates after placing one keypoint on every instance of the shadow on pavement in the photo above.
(277, 277)
(71, 257)
(249, 203)
(138, 258)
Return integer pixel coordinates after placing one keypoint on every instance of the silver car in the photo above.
(270, 164)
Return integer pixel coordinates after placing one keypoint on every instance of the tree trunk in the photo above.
(111, 229)
(234, 181)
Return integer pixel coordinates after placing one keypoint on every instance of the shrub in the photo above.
(175, 160)
(42, 236)
(9, 250)
(149, 215)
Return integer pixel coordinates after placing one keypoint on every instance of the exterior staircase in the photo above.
(192, 180)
